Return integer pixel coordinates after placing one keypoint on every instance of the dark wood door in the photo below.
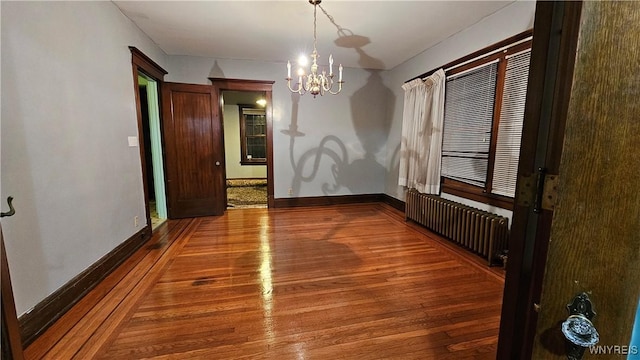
(11, 343)
(194, 150)
(581, 124)
(594, 242)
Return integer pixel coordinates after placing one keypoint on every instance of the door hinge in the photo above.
(526, 189)
(550, 192)
(539, 189)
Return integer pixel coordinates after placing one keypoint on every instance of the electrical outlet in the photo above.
(135, 221)
(290, 191)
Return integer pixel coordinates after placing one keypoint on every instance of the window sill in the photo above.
(255, 162)
(466, 191)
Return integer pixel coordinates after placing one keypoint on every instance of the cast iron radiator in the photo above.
(481, 232)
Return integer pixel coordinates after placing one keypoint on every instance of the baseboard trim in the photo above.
(393, 202)
(338, 200)
(46, 312)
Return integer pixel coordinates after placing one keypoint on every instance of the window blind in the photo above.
(510, 126)
(469, 102)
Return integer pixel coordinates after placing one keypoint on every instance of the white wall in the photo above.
(68, 107)
(235, 170)
(508, 21)
(331, 145)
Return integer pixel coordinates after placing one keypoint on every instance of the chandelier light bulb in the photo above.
(330, 65)
(303, 61)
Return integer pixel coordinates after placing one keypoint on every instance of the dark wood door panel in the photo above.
(11, 342)
(195, 156)
(593, 245)
(194, 144)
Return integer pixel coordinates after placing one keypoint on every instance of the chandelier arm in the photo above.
(339, 88)
(327, 84)
(309, 83)
(300, 89)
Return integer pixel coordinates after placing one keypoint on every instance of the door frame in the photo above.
(141, 63)
(153, 144)
(266, 86)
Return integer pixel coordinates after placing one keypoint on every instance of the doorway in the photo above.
(242, 97)
(244, 121)
(150, 75)
(152, 142)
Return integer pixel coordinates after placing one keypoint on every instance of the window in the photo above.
(505, 168)
(253, 139)
(468, 116)
(484, 112)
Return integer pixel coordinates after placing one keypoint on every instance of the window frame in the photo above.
(469, 191)
(243, 136)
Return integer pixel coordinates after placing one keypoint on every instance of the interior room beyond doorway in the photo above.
(245, 148)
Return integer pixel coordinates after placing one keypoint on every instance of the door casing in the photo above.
(142, 64)
(265, 86)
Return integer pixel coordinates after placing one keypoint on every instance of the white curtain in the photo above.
(422, 121)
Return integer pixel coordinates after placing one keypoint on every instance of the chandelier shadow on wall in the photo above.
(314, 82)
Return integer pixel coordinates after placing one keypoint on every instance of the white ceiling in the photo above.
(365, 34)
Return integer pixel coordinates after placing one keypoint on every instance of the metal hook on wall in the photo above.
(11, 211)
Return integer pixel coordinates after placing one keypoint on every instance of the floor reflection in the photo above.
(266, 279)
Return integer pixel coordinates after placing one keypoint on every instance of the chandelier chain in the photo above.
(315, 40)
(333, 21)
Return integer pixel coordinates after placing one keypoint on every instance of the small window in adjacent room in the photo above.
(484, 112)
(253, 139)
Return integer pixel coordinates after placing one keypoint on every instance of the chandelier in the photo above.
(314, 82)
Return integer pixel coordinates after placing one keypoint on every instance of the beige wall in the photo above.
(330, 145)
(68, 108)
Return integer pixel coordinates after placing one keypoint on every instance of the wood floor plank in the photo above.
(44, 344)
(126, 303)
(338, 282)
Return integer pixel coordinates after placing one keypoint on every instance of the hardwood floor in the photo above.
(339, 282)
